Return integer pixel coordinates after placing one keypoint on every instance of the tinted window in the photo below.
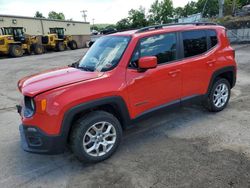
(213, 37)
(195, 42)
(161, 46)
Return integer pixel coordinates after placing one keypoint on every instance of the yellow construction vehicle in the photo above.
(15, 42)
(56, 40)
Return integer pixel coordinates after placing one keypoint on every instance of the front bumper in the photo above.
(35, 141)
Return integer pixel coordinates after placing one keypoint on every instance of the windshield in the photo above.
(59, 31)
(14, 31)
(105, 53)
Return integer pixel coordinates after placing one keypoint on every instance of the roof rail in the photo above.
(155, 27)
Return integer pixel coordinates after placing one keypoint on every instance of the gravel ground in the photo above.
(187, 147)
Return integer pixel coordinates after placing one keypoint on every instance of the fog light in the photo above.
(31, 129)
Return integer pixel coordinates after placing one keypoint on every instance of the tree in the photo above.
(161, 12)
(244, 2)
(189, 9)
(167, 11)
(56, 16)
(155, 13)
(137, 18)
(39, 15)
(211, 9)
(94, 27)
(123, 24)
(178, 12)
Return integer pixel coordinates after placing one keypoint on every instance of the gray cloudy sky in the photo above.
(103, 11)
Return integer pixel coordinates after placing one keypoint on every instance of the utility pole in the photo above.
(93, 21)
(221, 7)
(204, 8)
(84, 15)
(234, 7)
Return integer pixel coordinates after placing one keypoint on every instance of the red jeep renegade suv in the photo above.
(122, 78)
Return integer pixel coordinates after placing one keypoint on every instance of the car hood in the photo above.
(39, 83)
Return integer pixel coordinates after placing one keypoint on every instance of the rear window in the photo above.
(194, 42)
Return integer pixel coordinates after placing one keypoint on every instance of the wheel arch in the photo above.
(228, 73)
(114, 105)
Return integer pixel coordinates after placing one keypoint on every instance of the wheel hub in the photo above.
(220, 95)
(99, 139)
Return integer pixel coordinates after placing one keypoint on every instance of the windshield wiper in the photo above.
(74, 65)
(86, 69)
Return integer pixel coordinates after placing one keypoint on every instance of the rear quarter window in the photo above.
(212, 35)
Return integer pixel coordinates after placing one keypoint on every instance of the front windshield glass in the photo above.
(105, 53)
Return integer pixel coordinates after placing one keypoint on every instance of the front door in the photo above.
(159, 86)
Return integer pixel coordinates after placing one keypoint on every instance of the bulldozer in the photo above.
(56, 40)
(14, 42)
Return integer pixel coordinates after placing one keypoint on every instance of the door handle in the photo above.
(211, 63)
(174, 72)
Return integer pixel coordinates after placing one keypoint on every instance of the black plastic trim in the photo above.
(166, 106)
(46, 145)
(116, 101)
(221, 71)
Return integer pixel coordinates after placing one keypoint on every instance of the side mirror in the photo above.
(149, 62)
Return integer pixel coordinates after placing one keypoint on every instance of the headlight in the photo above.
(10, 38)
(29, 109)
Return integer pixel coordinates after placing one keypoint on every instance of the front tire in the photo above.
(16, 51)
(60, 47)
(219, 95)
(95, 137)
(72, 45)
(38, 49)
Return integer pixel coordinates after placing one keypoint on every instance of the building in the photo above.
(41, 26)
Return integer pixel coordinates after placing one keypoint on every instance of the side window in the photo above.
(194, 42)
(162, 46)
(212, 37)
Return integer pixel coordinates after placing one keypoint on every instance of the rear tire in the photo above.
(72, 45)
(95, 137)
(38, 49)
(219, 95)
(16, 51)
(60, 46)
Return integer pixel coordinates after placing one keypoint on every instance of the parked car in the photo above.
(104, 32)
(123, 78)
(243, 12)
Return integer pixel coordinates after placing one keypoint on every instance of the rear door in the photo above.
(155, 87)
(198, 60)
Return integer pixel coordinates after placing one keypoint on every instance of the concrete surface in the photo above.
(188, 147)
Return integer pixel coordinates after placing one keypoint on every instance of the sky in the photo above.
(102, 11)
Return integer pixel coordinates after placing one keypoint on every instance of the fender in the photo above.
(221, 71)
(116, 101)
